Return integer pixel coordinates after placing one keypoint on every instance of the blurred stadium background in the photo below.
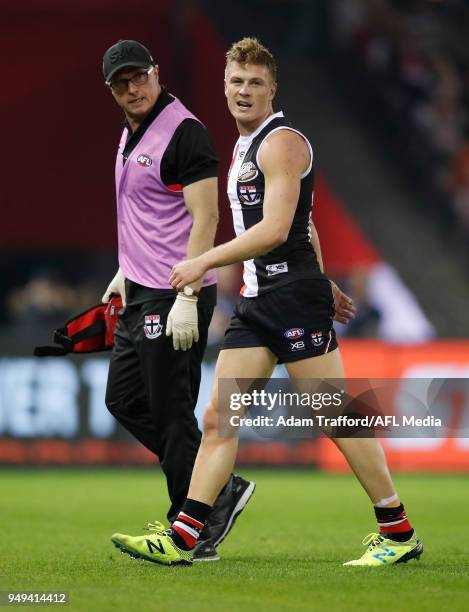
(382, 90)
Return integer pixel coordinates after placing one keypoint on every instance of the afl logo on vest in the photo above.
(144, 160)
(247, 172)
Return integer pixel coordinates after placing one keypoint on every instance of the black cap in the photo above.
(125, 53)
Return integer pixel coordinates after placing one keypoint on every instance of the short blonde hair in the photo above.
(252, 51)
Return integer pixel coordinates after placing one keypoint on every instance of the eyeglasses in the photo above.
(120, 86)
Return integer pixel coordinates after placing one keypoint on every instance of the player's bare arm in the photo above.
(284, 156)
(201, 200)
(343, 304)
(316, 244)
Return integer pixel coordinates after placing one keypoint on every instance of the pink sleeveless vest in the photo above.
(153, 222)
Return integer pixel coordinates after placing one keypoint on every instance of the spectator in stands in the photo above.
(459, 184)
(414, 55)
(45, 300)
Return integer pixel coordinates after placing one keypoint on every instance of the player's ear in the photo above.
(156, 70)
(273, 90)
(225, 81)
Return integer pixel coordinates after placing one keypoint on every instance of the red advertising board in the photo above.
(52, 413)
(438, 359)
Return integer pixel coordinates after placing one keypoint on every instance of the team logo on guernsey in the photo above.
(294, 333)
(247, 172)
(144, 160)
(248, 194)
(152, 326)
(317, 338)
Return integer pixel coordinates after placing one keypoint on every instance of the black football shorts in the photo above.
(293, 321)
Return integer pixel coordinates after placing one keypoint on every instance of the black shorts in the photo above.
(293, 321)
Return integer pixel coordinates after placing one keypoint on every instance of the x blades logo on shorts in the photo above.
(297, 346)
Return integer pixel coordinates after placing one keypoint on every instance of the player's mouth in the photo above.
(136, 101)
(243, 105)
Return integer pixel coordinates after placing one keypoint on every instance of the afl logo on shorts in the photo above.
(152, 326)
(247, 172)
(294, 333)
(144, 160)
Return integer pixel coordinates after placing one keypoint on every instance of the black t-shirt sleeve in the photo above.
(190, 156)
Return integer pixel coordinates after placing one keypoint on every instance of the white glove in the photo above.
(182, 322)
(117, 287)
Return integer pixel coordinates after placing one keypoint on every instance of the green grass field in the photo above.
(285, 552)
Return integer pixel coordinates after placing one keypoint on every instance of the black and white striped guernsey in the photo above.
(293, 260)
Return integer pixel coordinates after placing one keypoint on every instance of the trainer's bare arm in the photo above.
(201, 200)
(284, 156)
(343, 304)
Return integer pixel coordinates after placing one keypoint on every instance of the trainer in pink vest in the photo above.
(152, 219)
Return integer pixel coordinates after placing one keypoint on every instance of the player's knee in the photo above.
(210, 420)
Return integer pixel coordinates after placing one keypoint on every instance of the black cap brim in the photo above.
(127, 65)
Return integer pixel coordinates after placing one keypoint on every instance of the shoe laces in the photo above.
(372, 540)
(157, 527)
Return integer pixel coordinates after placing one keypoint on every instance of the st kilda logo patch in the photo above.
(152, 326)
(144, 160)
(248, 194)
(317, 338)
(247, 172)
